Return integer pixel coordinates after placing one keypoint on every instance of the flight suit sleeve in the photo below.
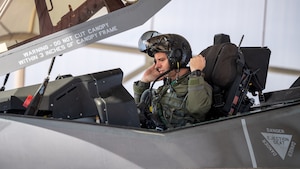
(138, 89)
(199, 99)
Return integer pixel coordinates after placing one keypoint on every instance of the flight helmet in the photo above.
(175, 46)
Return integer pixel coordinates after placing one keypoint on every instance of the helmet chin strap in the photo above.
(177, 70)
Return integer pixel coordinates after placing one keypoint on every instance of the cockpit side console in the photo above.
(97, 95)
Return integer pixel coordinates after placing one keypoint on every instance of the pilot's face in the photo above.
(161, 62)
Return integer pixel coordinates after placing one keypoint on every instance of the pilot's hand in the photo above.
(197, 62)
(150, 74)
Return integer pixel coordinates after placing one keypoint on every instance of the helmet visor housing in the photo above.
(143, 44)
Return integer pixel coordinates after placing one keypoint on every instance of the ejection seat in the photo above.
(243, 69)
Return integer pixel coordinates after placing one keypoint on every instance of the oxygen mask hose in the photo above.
(147, 117)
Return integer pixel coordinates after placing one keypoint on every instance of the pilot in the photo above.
(184, 97)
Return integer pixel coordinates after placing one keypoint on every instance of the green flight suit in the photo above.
(181, 102)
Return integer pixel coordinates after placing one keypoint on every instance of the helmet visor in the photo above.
(143, 41)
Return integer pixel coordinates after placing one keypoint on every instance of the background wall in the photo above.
(274, 24)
